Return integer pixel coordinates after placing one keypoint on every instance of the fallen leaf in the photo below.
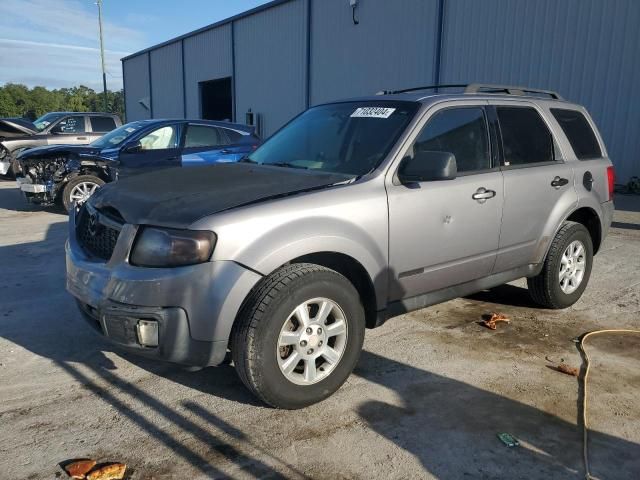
(564, 368)
(113, 471)
(79, 468)
(495, 318)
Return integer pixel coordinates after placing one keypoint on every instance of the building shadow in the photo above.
(625, 225)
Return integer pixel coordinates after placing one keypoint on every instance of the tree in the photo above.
(18, 100)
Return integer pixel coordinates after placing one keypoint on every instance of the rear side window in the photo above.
(461, 131)
(580, 134)
(234, 137)
(102, 124)
(203, 136)
(525, 137)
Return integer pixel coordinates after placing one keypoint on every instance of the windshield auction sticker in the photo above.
(373, 112)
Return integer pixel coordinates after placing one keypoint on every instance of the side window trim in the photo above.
(481, 106)
(558, 157)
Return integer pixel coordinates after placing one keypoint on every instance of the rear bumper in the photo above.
(607, 217)
(194, 306)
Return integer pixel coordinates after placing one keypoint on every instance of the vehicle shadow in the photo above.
(51, 327)
(452, 427)
(11, 198)
(506, 294)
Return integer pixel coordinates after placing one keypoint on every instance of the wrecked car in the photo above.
(65, 174)
(54, 128)
(354, 212)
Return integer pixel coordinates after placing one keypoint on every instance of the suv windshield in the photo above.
(46, 120)
(116, 137)
(350, 138)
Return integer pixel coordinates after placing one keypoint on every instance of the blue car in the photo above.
(71, 173)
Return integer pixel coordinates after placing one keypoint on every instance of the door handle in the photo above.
(559, 182)
(81, 138)
(482, 195)
(224, 151)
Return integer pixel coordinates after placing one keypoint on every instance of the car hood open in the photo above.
(177, 197)
(16, 127)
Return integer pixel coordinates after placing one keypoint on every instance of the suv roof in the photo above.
(87, 113)
(423, 94)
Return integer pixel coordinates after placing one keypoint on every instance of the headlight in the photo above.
(168, 247)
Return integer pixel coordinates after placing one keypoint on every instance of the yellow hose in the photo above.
(585, 427)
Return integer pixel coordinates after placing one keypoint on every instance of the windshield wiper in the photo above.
(286, 164)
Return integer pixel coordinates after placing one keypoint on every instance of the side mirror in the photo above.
(135, 147)
(428, 167)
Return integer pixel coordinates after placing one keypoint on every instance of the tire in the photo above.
(547, 288)
(272, 309)
(88, 180)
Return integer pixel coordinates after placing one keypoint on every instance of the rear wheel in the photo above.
(566, 269)
(299, 336)
(79, 189)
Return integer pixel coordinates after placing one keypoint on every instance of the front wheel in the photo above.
(299, 336)
(79, 189)
(566, 269)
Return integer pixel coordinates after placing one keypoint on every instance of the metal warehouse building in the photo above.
(280, 58)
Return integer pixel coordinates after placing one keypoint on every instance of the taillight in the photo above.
(611, 181)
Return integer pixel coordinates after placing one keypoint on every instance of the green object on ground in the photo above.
(508, 440)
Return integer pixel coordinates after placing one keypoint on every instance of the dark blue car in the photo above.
(71, 173)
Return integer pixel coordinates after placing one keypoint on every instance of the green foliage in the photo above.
(17, 100)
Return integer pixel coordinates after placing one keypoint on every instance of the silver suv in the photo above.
(354, 212)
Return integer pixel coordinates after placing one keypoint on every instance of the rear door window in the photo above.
(579, 133)
(526, 139)
(204, 136)
(461, 131)
(102, 124)
(234, 136)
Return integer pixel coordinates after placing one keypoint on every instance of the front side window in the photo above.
(350, 138)
(160, 139)
(525, 137)
(461, 131)
(203, 136)
(102, 124)
(578, 132)
(70, 125)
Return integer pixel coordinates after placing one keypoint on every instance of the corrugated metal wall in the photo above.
(135, 72)
(270, 64)
(392, 47)
(587, 50)
(207, 56)
(166, 81)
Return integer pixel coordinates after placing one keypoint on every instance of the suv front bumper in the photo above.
(193, 307)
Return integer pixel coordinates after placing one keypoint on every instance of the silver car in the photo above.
(354, 212)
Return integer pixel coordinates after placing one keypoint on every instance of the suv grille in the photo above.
(96, 236)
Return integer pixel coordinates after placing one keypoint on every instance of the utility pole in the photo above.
(104, 73)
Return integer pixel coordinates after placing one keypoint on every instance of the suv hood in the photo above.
(177, 197)
(54, 150)
(16, 127)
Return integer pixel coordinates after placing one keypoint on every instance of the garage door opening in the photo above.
(216, 101)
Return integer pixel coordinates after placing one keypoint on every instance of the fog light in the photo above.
(147, 333)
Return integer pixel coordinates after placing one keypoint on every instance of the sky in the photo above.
(55, 43)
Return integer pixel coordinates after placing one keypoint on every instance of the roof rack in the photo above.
(480, 88)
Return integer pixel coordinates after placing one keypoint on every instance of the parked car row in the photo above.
(71, 173)
(354, 212)
(54, 128)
